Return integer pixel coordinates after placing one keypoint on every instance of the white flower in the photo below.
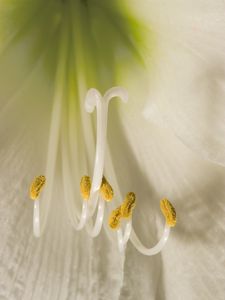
(167, 141)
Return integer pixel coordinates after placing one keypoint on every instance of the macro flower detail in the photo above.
(128, 205)
(167, 141)
(169, 212)
(101, 190)
(85, 187)
(36, 187)
(94, 99)
(114, 218)
(106, 190)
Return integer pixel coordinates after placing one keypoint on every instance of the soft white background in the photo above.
(171, 143)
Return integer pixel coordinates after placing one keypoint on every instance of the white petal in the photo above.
(64, 264)
(187, 85)
(152, 163)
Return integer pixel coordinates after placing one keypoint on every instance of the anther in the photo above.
(169, 212)
(36, 186)
(114, 218)
(85, 187)
(128, 205)
(106, 190)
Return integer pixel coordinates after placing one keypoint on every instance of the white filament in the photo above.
(123, 239)
(154, 250)
(94, 99)
(78, 222)
(95, 230)
(130, 234)
(36, 219)
(83, 217)
(38, 227)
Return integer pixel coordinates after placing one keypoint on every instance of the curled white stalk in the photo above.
(123, 238)
(125, 211)
(94, 230)
(130, 234)
(154, 250)
(78, 222)
(94, 99)
(83, 218)
(92, 199)
(36, 219)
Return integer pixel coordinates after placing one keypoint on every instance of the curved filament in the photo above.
(94, 230)
(36, 219)
(154, 250)
(94, 99)
(123, 238)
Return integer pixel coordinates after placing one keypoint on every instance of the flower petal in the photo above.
(151, 162)
(142, 158)
(186, 89)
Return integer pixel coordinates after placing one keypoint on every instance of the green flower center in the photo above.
(104, 40)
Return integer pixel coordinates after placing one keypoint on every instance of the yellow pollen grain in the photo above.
(114, 218)
(169, 212)
(106, 190)
(85, 187)
(128, 205)
(36, 186)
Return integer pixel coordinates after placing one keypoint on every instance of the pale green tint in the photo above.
(104, 39)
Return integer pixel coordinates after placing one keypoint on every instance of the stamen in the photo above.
(154, 250)
(169, 212)
(85, 187)
(36, 186)
(124, 237)
(114, 218)
(95, 99)
(106, 190)
(128, 205)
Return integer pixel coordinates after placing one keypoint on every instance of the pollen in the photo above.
(85, 187)
(36, 186)
(114, 218)
(128, 205)
(169, 212)
(106, 190)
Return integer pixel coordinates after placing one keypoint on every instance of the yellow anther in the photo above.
(169, 212)
(36, 186)
(106, 190)
(85, 187)
(114, 218)
(128, 205)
